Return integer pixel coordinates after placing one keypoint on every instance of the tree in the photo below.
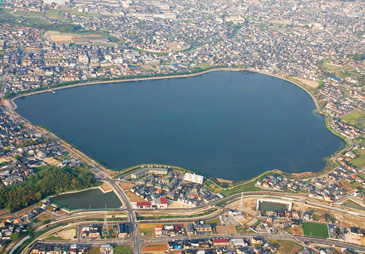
(15, 236)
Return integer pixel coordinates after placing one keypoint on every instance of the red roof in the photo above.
(220, 240)
(143, 203)
(163, 200)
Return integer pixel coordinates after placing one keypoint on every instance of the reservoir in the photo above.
(229, 125)
(88, 199)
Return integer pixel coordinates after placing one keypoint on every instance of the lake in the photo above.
(221, 124)
(88, 199)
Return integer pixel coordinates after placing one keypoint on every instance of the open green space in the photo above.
(203, 67)
(122, 249)
(315, 230)
(240, 187)
(329, 66)
(55, 14)
(352, 204)
(94, 250)
(360, 160)
(356, 118)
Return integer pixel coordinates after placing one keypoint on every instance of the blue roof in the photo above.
(335, 78)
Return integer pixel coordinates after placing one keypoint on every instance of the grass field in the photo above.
(315, 230)
(147, 230)
(356, 118)
(204, 66)
(122, 249)
(94, 250)
(360, 160)
(285, 247)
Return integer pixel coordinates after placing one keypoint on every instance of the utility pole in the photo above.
(105, 225)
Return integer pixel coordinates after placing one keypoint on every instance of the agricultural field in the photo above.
(286, 246)
(315, 230)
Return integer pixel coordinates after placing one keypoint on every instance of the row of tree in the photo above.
(51, 180)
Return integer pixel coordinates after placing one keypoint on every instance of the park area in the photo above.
(315, 230)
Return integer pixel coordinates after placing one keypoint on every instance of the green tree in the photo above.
(15, 236)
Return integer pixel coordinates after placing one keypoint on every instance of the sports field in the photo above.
(315, 230)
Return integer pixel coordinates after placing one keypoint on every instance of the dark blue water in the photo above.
(88, 199)
(222, 124)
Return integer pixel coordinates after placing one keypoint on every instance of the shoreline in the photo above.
(11, 105)
(81, 83)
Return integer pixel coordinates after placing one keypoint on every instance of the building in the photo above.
(203, 228)
(158, 230)
(238, 242)
(106, 249)
(220, 242)
(190, 230)
(143, 205)
(161, 203)
(193, 178)
(123, 229)
(145, 171)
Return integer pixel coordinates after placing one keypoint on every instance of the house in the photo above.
(143, 205)
(220, 242)
(161, 203)
(238, 242)
(190, 230)
(106, 249)
(203, 228)
(158, 230)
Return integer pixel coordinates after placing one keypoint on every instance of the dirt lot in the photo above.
(44, 216)
(297, 230)
(147, 230)
(3, 212)
(249, 205)
(155, 248)
(3, 160)
(344, 219)
(226, 230)
(52, 161)
(133, 197)
(303, 175)
(173, 204)
(106, 186)
(68, 234)
(61, 38)
(126, 186)
(308, 82)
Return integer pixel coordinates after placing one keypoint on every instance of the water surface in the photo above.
(221, 124)
(88, 199)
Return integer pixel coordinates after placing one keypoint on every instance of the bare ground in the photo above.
(106, 186)
(248, 205)
(68, 234)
